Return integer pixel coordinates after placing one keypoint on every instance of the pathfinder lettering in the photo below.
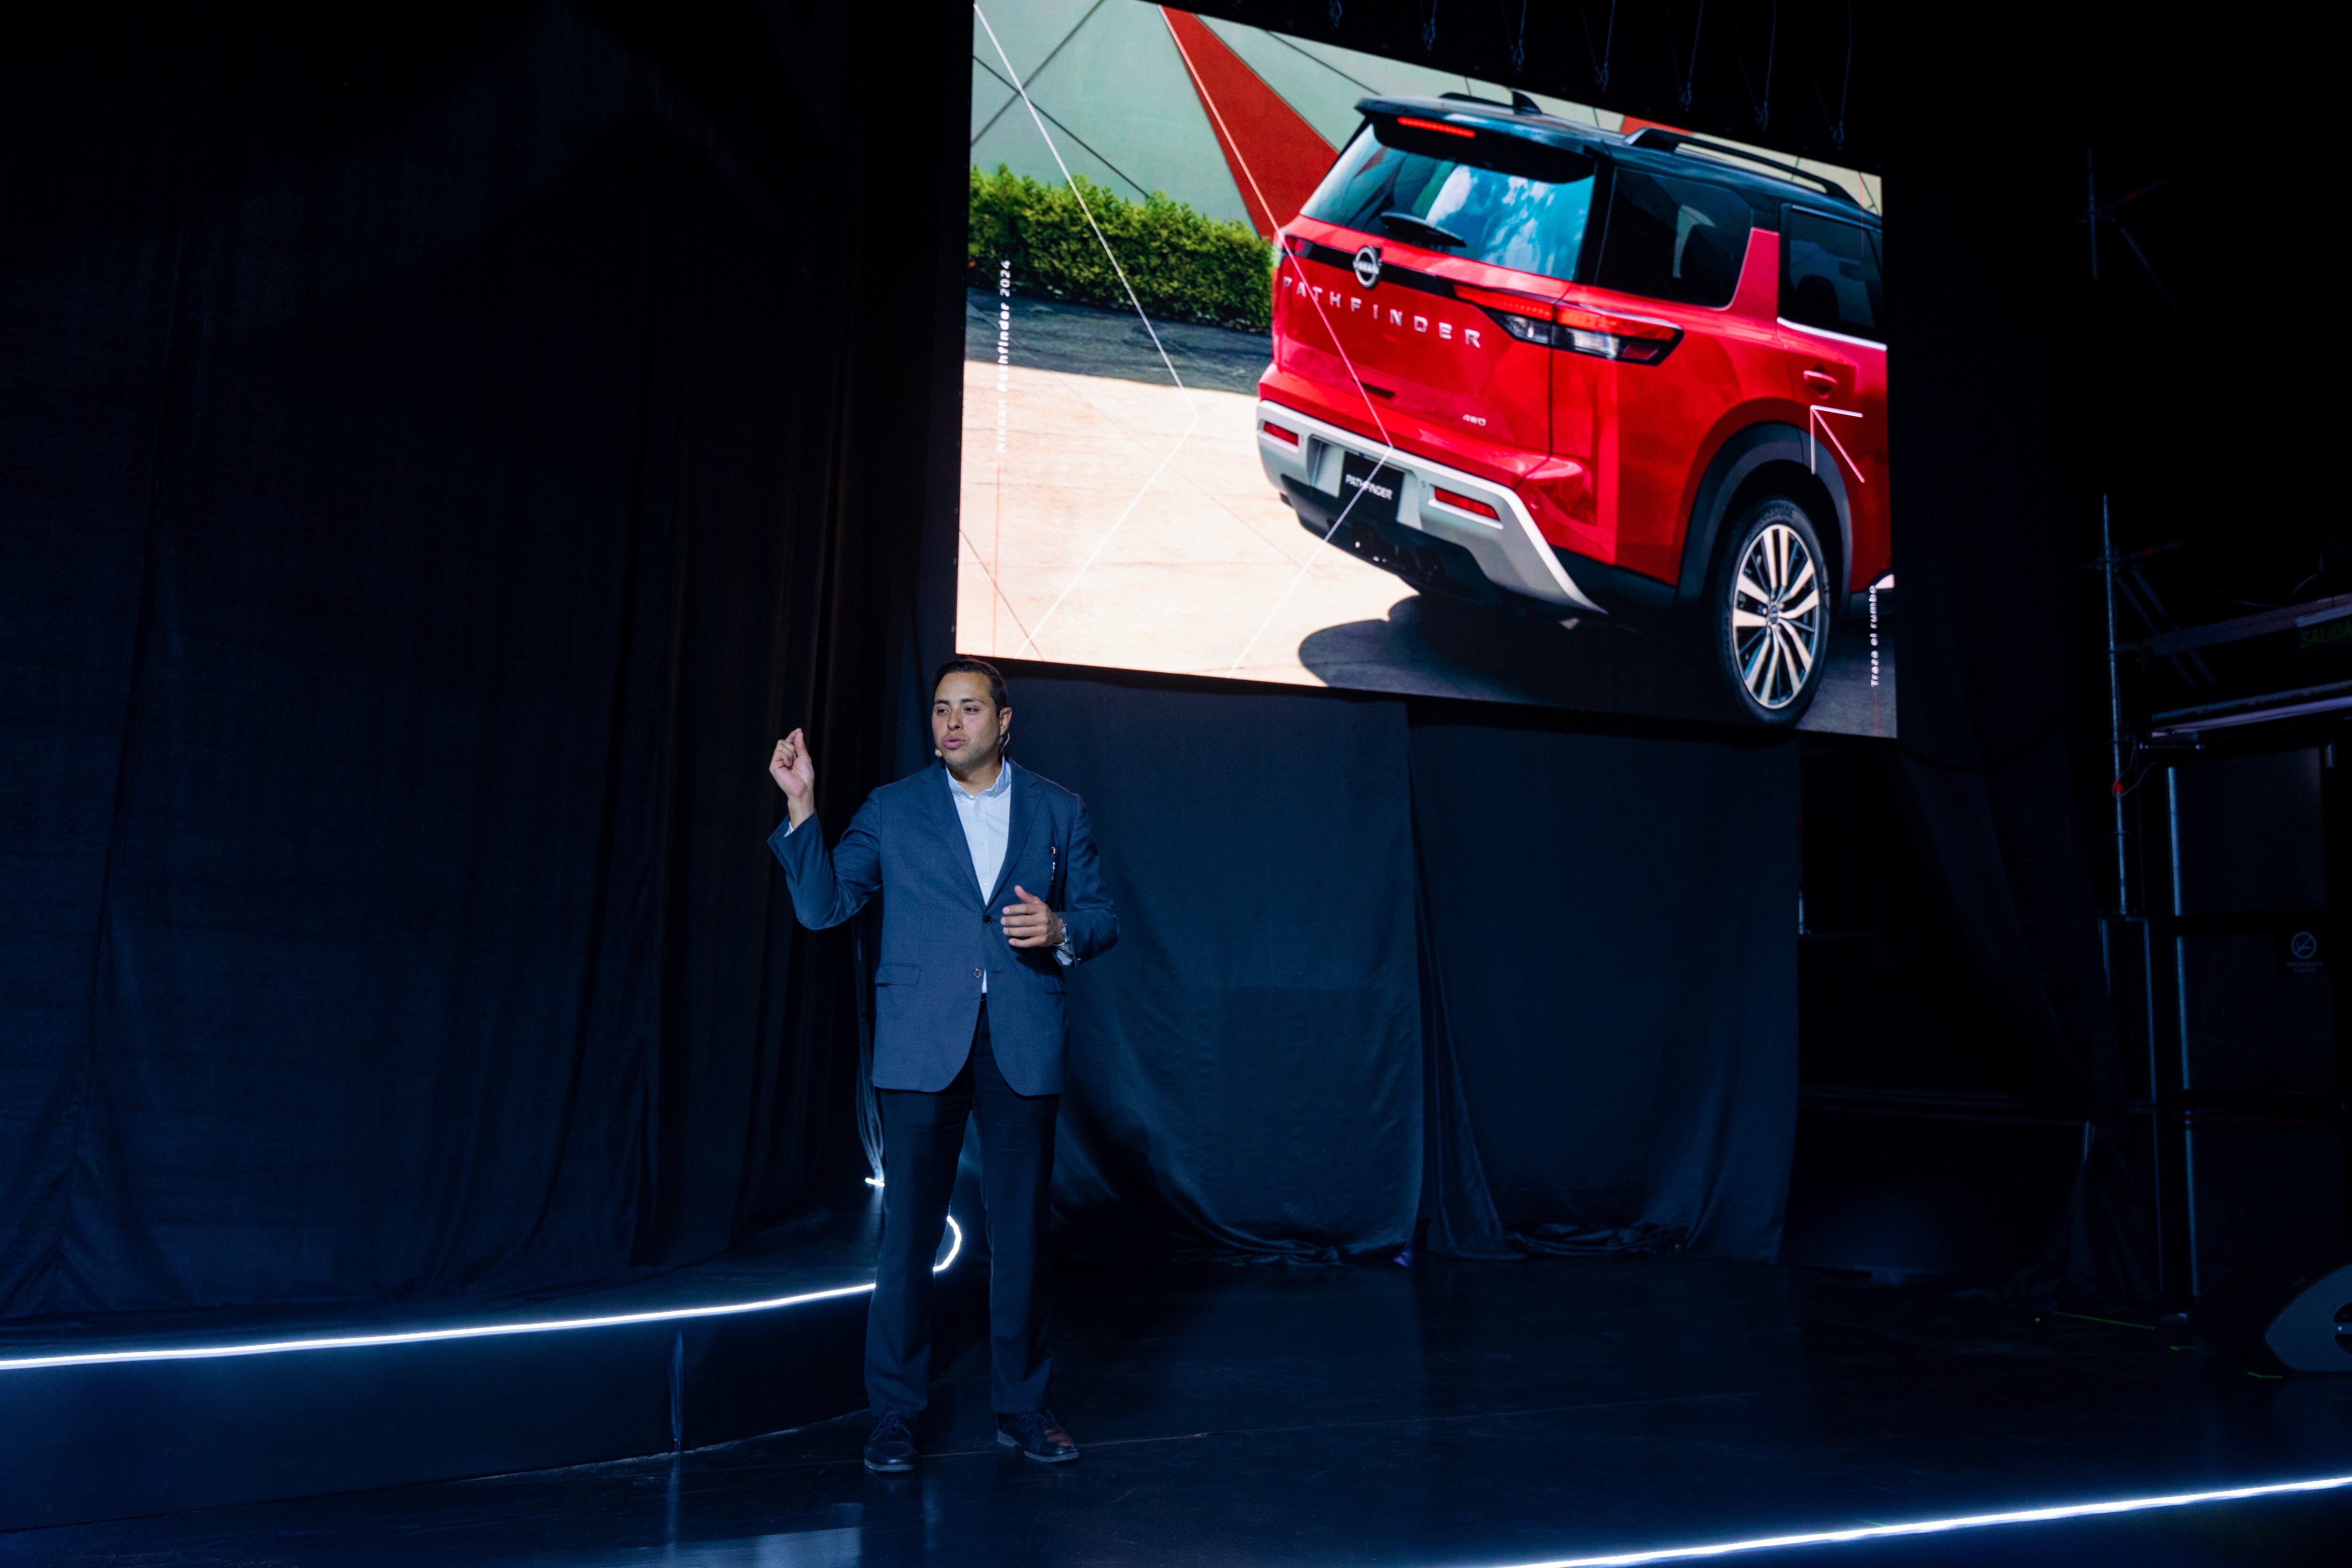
(1355, 303)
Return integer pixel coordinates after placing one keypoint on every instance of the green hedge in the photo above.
(1183, 266)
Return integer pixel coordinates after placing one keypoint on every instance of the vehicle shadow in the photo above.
(1438, 646)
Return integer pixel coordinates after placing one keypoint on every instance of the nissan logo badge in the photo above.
(1367, 265)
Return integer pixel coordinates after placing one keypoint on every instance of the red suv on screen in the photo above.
(1541, 365)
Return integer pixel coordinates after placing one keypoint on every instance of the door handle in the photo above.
(1820, 381)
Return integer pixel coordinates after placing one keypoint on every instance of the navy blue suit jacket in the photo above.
(940, 929)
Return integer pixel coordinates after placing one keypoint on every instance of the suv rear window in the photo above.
(1683, 240)
(1830, 275)
(1501, 199)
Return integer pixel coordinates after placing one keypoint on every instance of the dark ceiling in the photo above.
(1801, 75)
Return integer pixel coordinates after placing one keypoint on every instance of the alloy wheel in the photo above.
(1775, 616)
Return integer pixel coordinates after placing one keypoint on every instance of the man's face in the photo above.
(966, 727)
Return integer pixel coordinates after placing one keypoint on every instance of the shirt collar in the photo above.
(1003, 782)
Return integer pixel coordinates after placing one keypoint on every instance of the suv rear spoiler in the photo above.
(1658, 138)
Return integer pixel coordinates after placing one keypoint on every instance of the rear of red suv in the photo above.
(1542, 366)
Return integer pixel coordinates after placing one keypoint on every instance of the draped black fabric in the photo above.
(1612, 927)
(1534, 987)
(425, 499)
(1245, 1074)
(440, 454)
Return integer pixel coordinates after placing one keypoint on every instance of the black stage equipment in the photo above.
(2278, 1310)
(2244, 1028)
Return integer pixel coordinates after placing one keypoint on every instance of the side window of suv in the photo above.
(1830, 275)
(1682, 240)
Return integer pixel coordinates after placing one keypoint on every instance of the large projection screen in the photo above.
(1286, 363)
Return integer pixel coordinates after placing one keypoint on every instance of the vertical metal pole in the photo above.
(2159, 1173)
(2114, 717)
(2175, 1221)
(2188, 1077)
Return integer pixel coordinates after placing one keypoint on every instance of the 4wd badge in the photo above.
(1367, 265)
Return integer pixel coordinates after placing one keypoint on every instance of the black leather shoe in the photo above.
(1038, 1436)
(890, 1448)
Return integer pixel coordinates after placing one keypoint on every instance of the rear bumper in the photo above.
(1440, 545)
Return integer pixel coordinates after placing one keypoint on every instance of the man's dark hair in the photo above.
(981, 668)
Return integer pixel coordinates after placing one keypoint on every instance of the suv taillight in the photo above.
(1575, 328)
(1612, 336)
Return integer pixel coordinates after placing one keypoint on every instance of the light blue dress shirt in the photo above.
(987, 819)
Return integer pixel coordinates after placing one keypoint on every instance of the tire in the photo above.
(1767, 614)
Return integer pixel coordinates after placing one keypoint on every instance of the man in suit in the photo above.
(968, 1018)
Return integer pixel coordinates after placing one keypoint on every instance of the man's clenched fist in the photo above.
(795, 774)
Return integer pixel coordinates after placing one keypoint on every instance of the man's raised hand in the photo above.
(795, 774)
(1029, 923)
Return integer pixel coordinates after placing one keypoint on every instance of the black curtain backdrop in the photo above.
(1384, 960)
(1612, 928)
(426, 495)
(440, 448)
(1245, 1071)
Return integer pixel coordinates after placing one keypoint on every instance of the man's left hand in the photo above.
(1029, 923)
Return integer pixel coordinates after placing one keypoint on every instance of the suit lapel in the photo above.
(1025, 804)
(941, 808)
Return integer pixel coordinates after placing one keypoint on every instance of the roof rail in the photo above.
(1660, 139)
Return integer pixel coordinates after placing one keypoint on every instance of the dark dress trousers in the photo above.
(945, 1050)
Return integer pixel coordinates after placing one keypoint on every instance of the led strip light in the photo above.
(1939, 1526)
(479, 1331)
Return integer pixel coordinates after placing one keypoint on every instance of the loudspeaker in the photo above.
(2279, 1313)
(2247, 834)
(2259, 1165)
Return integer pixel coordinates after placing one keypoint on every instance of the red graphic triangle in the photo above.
(1276, 157)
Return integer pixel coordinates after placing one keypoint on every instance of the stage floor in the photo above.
(1452, 1414)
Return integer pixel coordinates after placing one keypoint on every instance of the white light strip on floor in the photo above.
(479, 1331)
(1938, 1526)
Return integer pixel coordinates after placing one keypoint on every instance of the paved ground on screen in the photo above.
(1073, 550)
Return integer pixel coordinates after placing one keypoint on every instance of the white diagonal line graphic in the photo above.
(1821, 432)
(994, 587)
(1283, 259)
(1022, 88)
